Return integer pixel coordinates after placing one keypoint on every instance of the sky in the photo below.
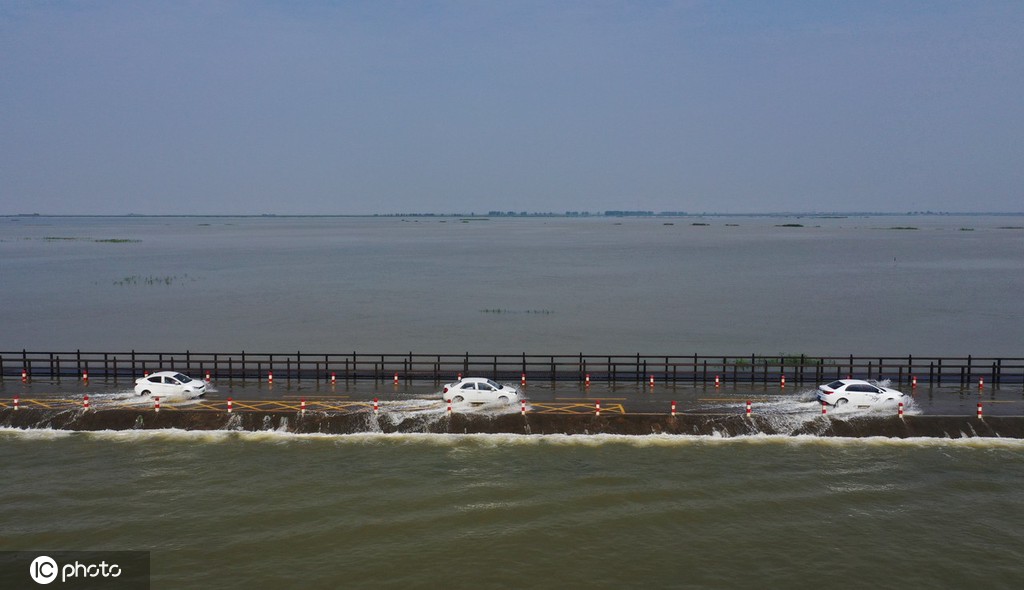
(331, 107)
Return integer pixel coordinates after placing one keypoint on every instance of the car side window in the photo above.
(155, 379)
(485, 387)
(468, 386)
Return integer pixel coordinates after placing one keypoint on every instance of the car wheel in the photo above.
(144, 392)
(840, 402)
(458, 399)
(503, 399)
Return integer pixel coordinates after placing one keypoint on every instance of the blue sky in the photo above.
(386, 107)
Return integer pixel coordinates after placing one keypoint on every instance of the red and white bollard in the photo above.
(748, 407)
(449, 406)
(522, 407)
(376, 406)
(651, 380)
(17, 400)
(156, 404)
(522, 380)
(270, 376)
(824, 408)
(396, 378)
(587, 382)
(85, 375)
(207, 376)
(913, 382)
(782, 382)
(981, 383)
(979, 410)
(597, 408)
(145, 373)
(901, 410)
(673, 408)
(229, 405)
(302, 406)
(718, 381)
(85, 402)
(458, 377)
(334, 378)
(24, 376)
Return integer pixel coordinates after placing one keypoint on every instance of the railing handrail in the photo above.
(610, 367)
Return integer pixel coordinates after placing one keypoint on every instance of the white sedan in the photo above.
(169, 385)
(478, 390)
(860, 393)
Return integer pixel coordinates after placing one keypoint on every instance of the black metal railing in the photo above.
(694, 368)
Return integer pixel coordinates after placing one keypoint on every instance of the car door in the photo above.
(486, 392)
(155, 385)
(172, 386)
(467, 391)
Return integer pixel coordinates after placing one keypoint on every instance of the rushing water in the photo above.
(244, 510)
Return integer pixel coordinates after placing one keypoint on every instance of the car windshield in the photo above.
(493, 384)
(182, 378)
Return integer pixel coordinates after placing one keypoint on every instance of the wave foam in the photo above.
(502, 440)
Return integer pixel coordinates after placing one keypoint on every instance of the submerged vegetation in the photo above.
(96, 240)
(517, 311)
(787, 360)
(153, 280)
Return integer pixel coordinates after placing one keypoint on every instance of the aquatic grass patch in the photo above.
(499, 310)
(165, 281)
(783, 360)
(94, 240)
(790, 225)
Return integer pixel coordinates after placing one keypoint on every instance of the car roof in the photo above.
(164, 373)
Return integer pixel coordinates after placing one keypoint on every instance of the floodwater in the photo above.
(270, 509)
(735, 286)
(236, 510)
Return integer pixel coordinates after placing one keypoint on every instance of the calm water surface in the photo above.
(734, 286)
